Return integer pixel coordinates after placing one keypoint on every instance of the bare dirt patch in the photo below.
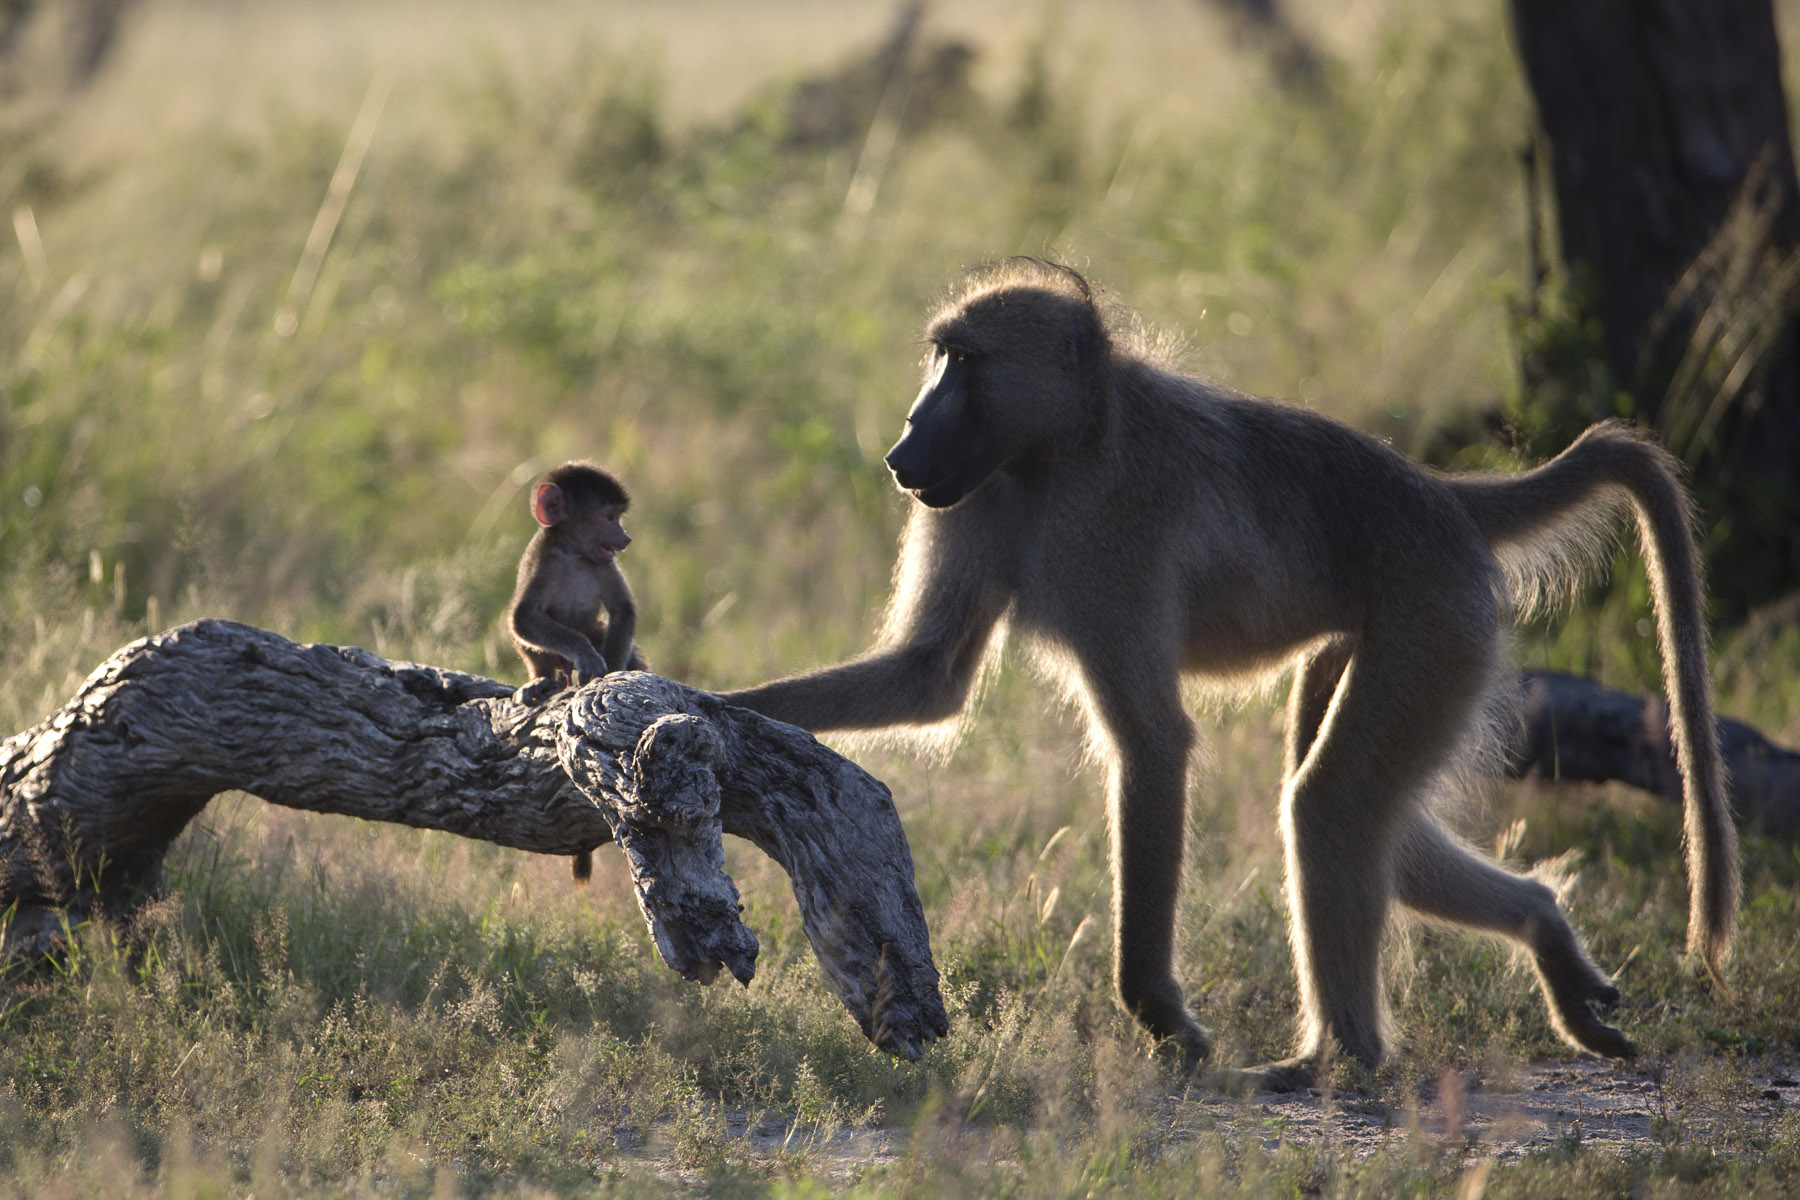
(1585, 1105)
(1533, 1109)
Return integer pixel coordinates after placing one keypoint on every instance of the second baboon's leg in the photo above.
(1397, 714)
(1438, 876)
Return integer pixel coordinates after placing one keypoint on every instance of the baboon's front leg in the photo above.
(1151, 738)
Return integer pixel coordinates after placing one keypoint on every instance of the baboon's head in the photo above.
(1014, 373)
(583, 505)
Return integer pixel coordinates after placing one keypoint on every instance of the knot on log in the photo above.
(673, 772)
(650, 773)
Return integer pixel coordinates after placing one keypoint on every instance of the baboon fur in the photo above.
(1135, 524)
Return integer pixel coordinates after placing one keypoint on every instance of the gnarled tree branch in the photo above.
(1577, 730)
(91, 799)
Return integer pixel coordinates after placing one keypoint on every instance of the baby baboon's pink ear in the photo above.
(549, 505)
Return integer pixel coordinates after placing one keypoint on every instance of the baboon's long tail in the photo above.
(1546, 526)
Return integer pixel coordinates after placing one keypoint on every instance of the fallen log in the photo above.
(1577, 730)
(92, 798)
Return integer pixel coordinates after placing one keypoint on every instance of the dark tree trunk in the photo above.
(1679, 215)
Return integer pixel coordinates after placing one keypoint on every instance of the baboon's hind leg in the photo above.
(1315, 682)
(1438, 876)
(1400, 711)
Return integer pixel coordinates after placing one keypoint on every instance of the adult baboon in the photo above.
(1135, 523)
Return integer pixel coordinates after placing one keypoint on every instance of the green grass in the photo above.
(575, 252)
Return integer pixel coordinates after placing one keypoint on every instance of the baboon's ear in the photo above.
(548, 505)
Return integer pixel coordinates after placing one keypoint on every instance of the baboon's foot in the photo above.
(538, 690)
(1575, 1017)
(1577, 993)
(1288, 1075)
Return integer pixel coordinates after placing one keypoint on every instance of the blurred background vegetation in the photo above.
(299, 298)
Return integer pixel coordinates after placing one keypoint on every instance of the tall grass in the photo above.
(558, 243)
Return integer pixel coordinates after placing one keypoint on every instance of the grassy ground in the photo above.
(588, 233)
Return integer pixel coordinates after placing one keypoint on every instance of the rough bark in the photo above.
(91, 799)
(1678, 206)
(1577, 730)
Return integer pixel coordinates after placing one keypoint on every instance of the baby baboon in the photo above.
(572, 616)
(1134, 523)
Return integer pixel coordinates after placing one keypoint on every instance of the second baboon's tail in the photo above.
(1547, 526)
